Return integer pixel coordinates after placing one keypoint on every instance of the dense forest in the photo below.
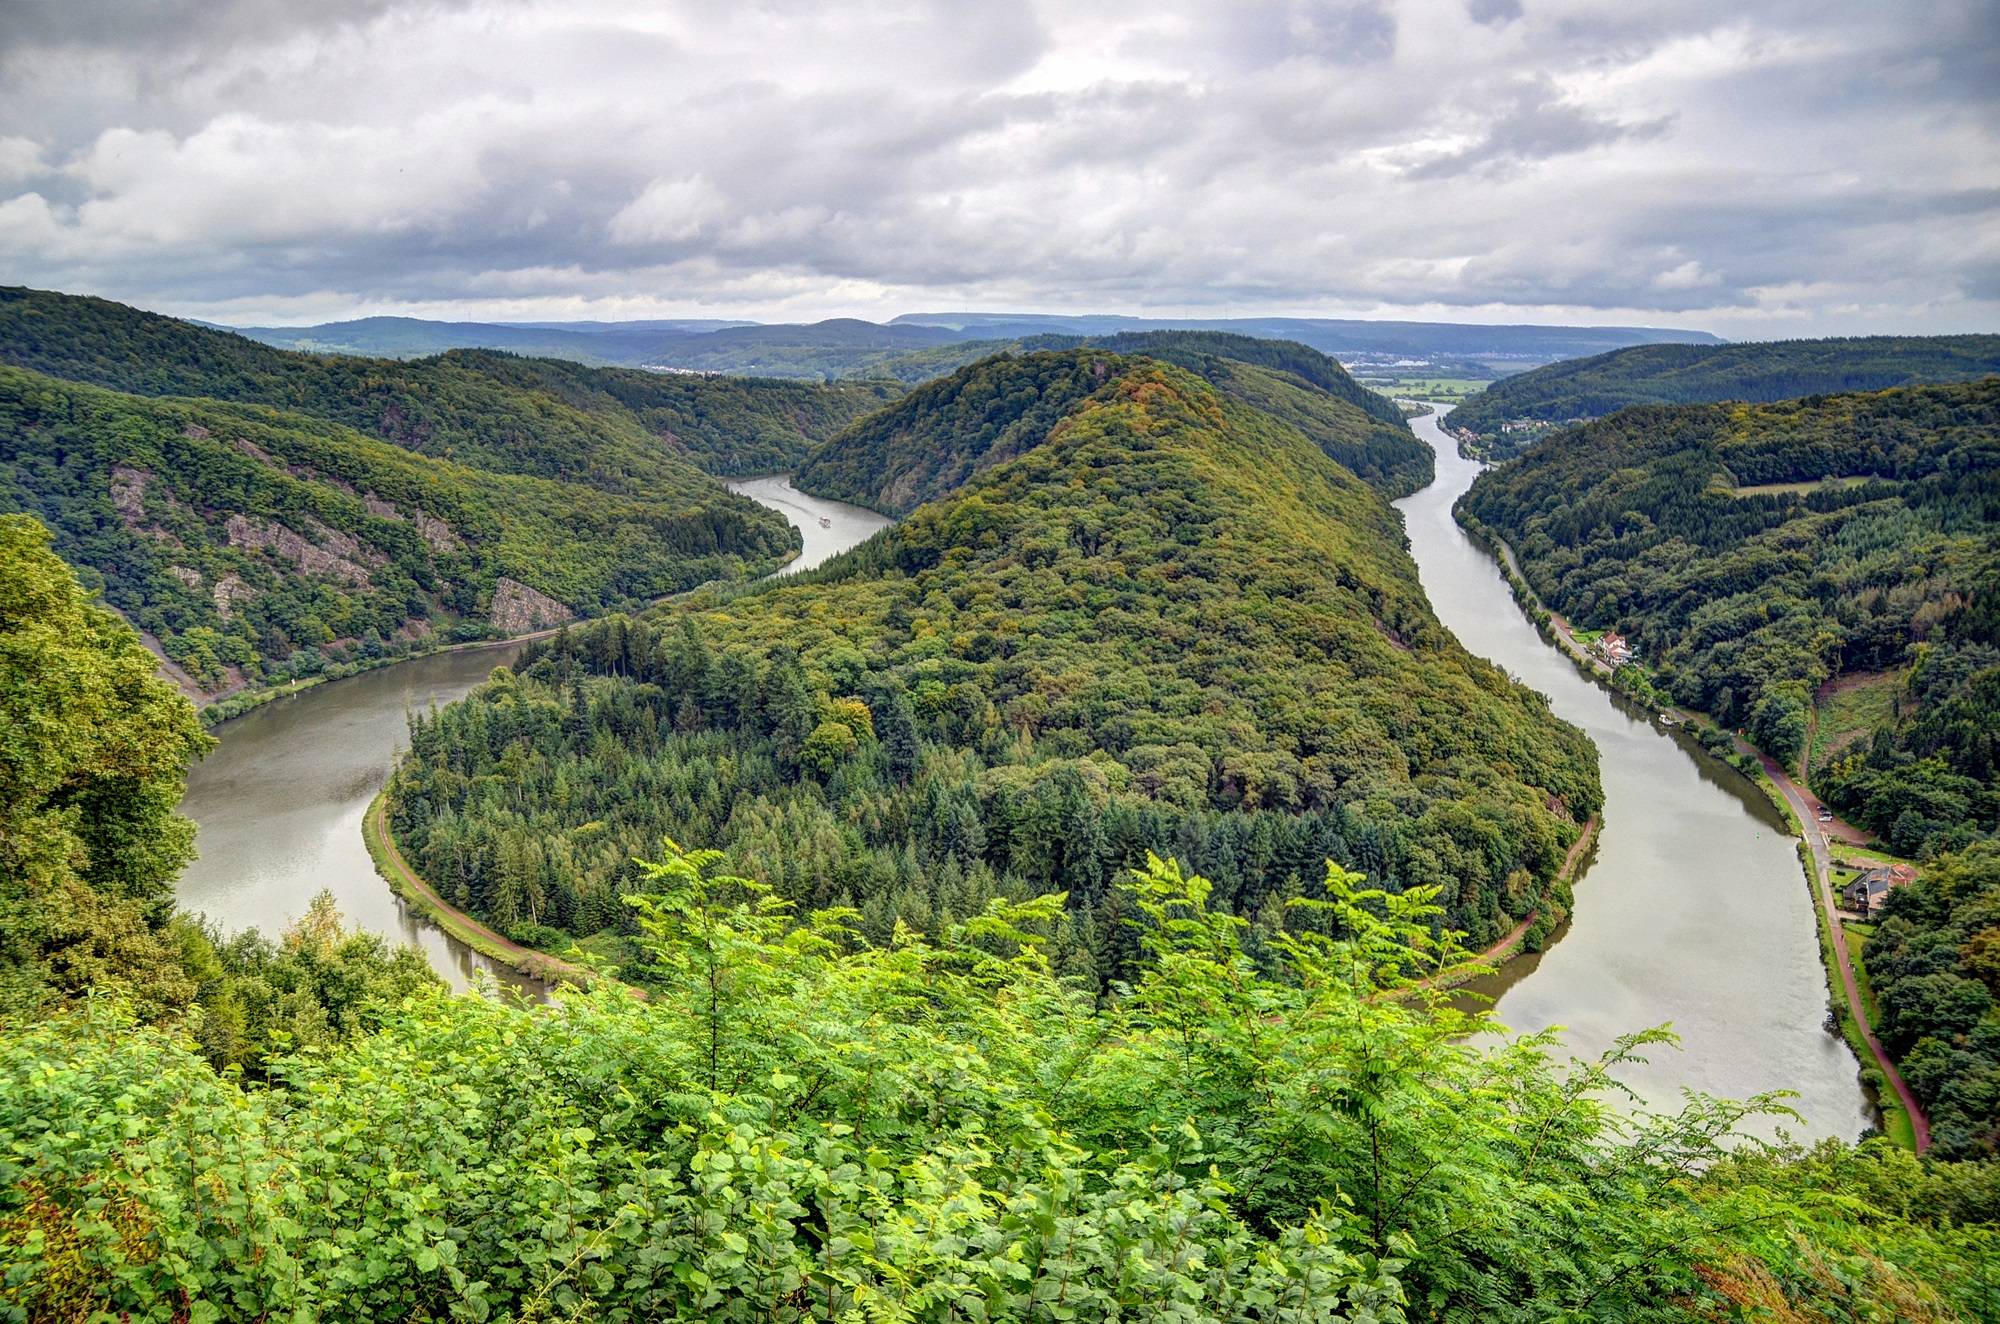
(1173, 625)
(1757, 555)
(1934, 961)
(619, 430)
(1758, 372)
(800, 1124)
(259, 546)
(990, 411)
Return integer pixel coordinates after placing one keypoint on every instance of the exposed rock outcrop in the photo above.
(230, 590)
(431, 529)
(516, 607)
(186, 574)
(438, 534)
(128, 494)
(335, 556)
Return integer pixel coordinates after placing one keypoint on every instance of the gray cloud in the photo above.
(1537, 124)
(1784, 169)
(1493, 13)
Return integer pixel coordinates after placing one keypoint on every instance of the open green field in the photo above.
(1426, 388)
(1850, 710)
(1776, 489)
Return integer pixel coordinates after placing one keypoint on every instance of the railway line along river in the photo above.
(1694, 908)
(278, 805)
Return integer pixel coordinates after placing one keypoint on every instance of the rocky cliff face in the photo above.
(516, 608)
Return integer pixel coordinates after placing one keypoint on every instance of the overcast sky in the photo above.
(1752, 168)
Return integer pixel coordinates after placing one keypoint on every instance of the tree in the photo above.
(94, 750)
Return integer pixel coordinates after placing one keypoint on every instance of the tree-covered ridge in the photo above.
(947, 430)
(487, 410)
(1934, 963)
(1194, 349)
(727, 425)
(801, 1125)
(259, 546)
(1757, 372)
(1743, 603)
(992, 410)
(1173, 626)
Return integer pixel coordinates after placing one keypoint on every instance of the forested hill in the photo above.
(1170, 624)
(1265, 1125)
(1698, 374)
(1196, 349)
(989, 411)
(618, 429)
(1764, 559)
(258, 546)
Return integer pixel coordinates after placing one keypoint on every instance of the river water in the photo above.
(278, 805)
(1694, 909)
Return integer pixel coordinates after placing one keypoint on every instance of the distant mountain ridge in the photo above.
(1757, 373)
(1335, 335)
(847, 347)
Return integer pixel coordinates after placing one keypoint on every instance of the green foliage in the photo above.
(1758, 372)
(948, 430)
(802, 1127)
(1284, 1120)
(1744, 606)
(1174, 627)
(1934, 962)
(1197, 350)
(259, 546)
(93, 754)
(727, 425)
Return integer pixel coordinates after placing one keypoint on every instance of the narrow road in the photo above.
(1807, 810)
(535, 964)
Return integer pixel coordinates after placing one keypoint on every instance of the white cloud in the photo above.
(669, 211)
(1792, 166)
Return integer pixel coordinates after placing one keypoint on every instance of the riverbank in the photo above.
(1513, 943)
(1901, 1116)
(408, 884)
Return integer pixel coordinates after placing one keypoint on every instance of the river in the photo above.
(278, 805)
(1694, 909)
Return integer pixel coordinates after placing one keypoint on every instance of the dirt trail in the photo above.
(1806, 806)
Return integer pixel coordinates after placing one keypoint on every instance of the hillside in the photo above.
(1168, 623)
(992, 410)
(257, 545)
(1698, 374)
(555, 420)
(915, 347)
(599, 343)
(1273, 1123)
(1758, 555)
